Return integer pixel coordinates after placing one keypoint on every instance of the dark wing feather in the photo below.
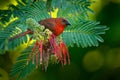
(49, 25)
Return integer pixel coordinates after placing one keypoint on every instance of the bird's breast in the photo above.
(58, 30)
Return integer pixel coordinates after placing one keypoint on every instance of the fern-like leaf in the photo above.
(35, 10)
(84, 34)
(13, 29)
(21, 69)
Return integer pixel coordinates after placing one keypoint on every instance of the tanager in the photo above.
(56, 25)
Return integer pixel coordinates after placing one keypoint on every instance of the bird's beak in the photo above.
(68, 23)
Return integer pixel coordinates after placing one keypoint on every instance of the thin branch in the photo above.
(21, 34)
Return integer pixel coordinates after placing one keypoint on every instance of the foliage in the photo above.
(83, 31)
(21, 67)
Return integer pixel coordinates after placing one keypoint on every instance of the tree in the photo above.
(83, 32)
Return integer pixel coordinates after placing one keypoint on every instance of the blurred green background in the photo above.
(94, 63)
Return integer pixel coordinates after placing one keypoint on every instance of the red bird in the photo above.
(56, 25)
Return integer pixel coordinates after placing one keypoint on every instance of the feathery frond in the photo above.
(37, 11)
(22, 68)
(84, 34)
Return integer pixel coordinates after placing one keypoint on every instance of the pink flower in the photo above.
(43, 50)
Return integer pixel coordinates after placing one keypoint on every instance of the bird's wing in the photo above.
(48, 24)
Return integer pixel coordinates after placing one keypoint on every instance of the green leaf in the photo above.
(23, 11)
(13, 29)
(21, 69)
(84, 34)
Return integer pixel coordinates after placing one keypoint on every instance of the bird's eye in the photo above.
(64, 21)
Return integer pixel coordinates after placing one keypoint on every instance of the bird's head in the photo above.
(64, 22)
